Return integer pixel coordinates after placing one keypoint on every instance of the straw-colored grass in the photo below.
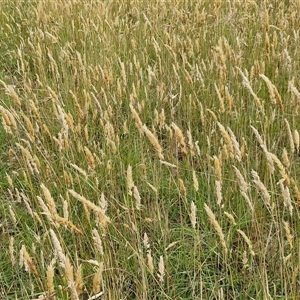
(149, 149)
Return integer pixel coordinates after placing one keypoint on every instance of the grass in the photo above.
(149, 150)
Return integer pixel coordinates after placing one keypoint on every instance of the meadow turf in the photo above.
(149, 149)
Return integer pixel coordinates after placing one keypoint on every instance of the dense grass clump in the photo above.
(149, 150)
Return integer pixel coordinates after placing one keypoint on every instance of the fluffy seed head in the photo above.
(217, 227)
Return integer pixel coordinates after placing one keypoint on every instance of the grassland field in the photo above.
(149, 149)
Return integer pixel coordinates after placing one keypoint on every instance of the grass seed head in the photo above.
(226, 137)
(58, 248)
(219, 191)
(27, 262)
(79, 280)
(12, 251)
(138, 122)
(244, 186)
(265, 150)
(273, 92)
(154, 142)
(230, 218)
(195, 181)
(289, 236)
(137, 198)
(98, 241)
(216, 225)
(218, 168)
(290, 135)
(103, 218)
(182, 188)
(50, 280)
(161, 269)
(285, 158)
(247, 84)
(97, 279)
(285, 191)
(49, 200)
(180, 138)
(193, 215)
(150, 261)
(69, 270)
(10, 89)
(130, 182)
(247, 240)
(90, 158)
(262, 188)
(80, 170)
